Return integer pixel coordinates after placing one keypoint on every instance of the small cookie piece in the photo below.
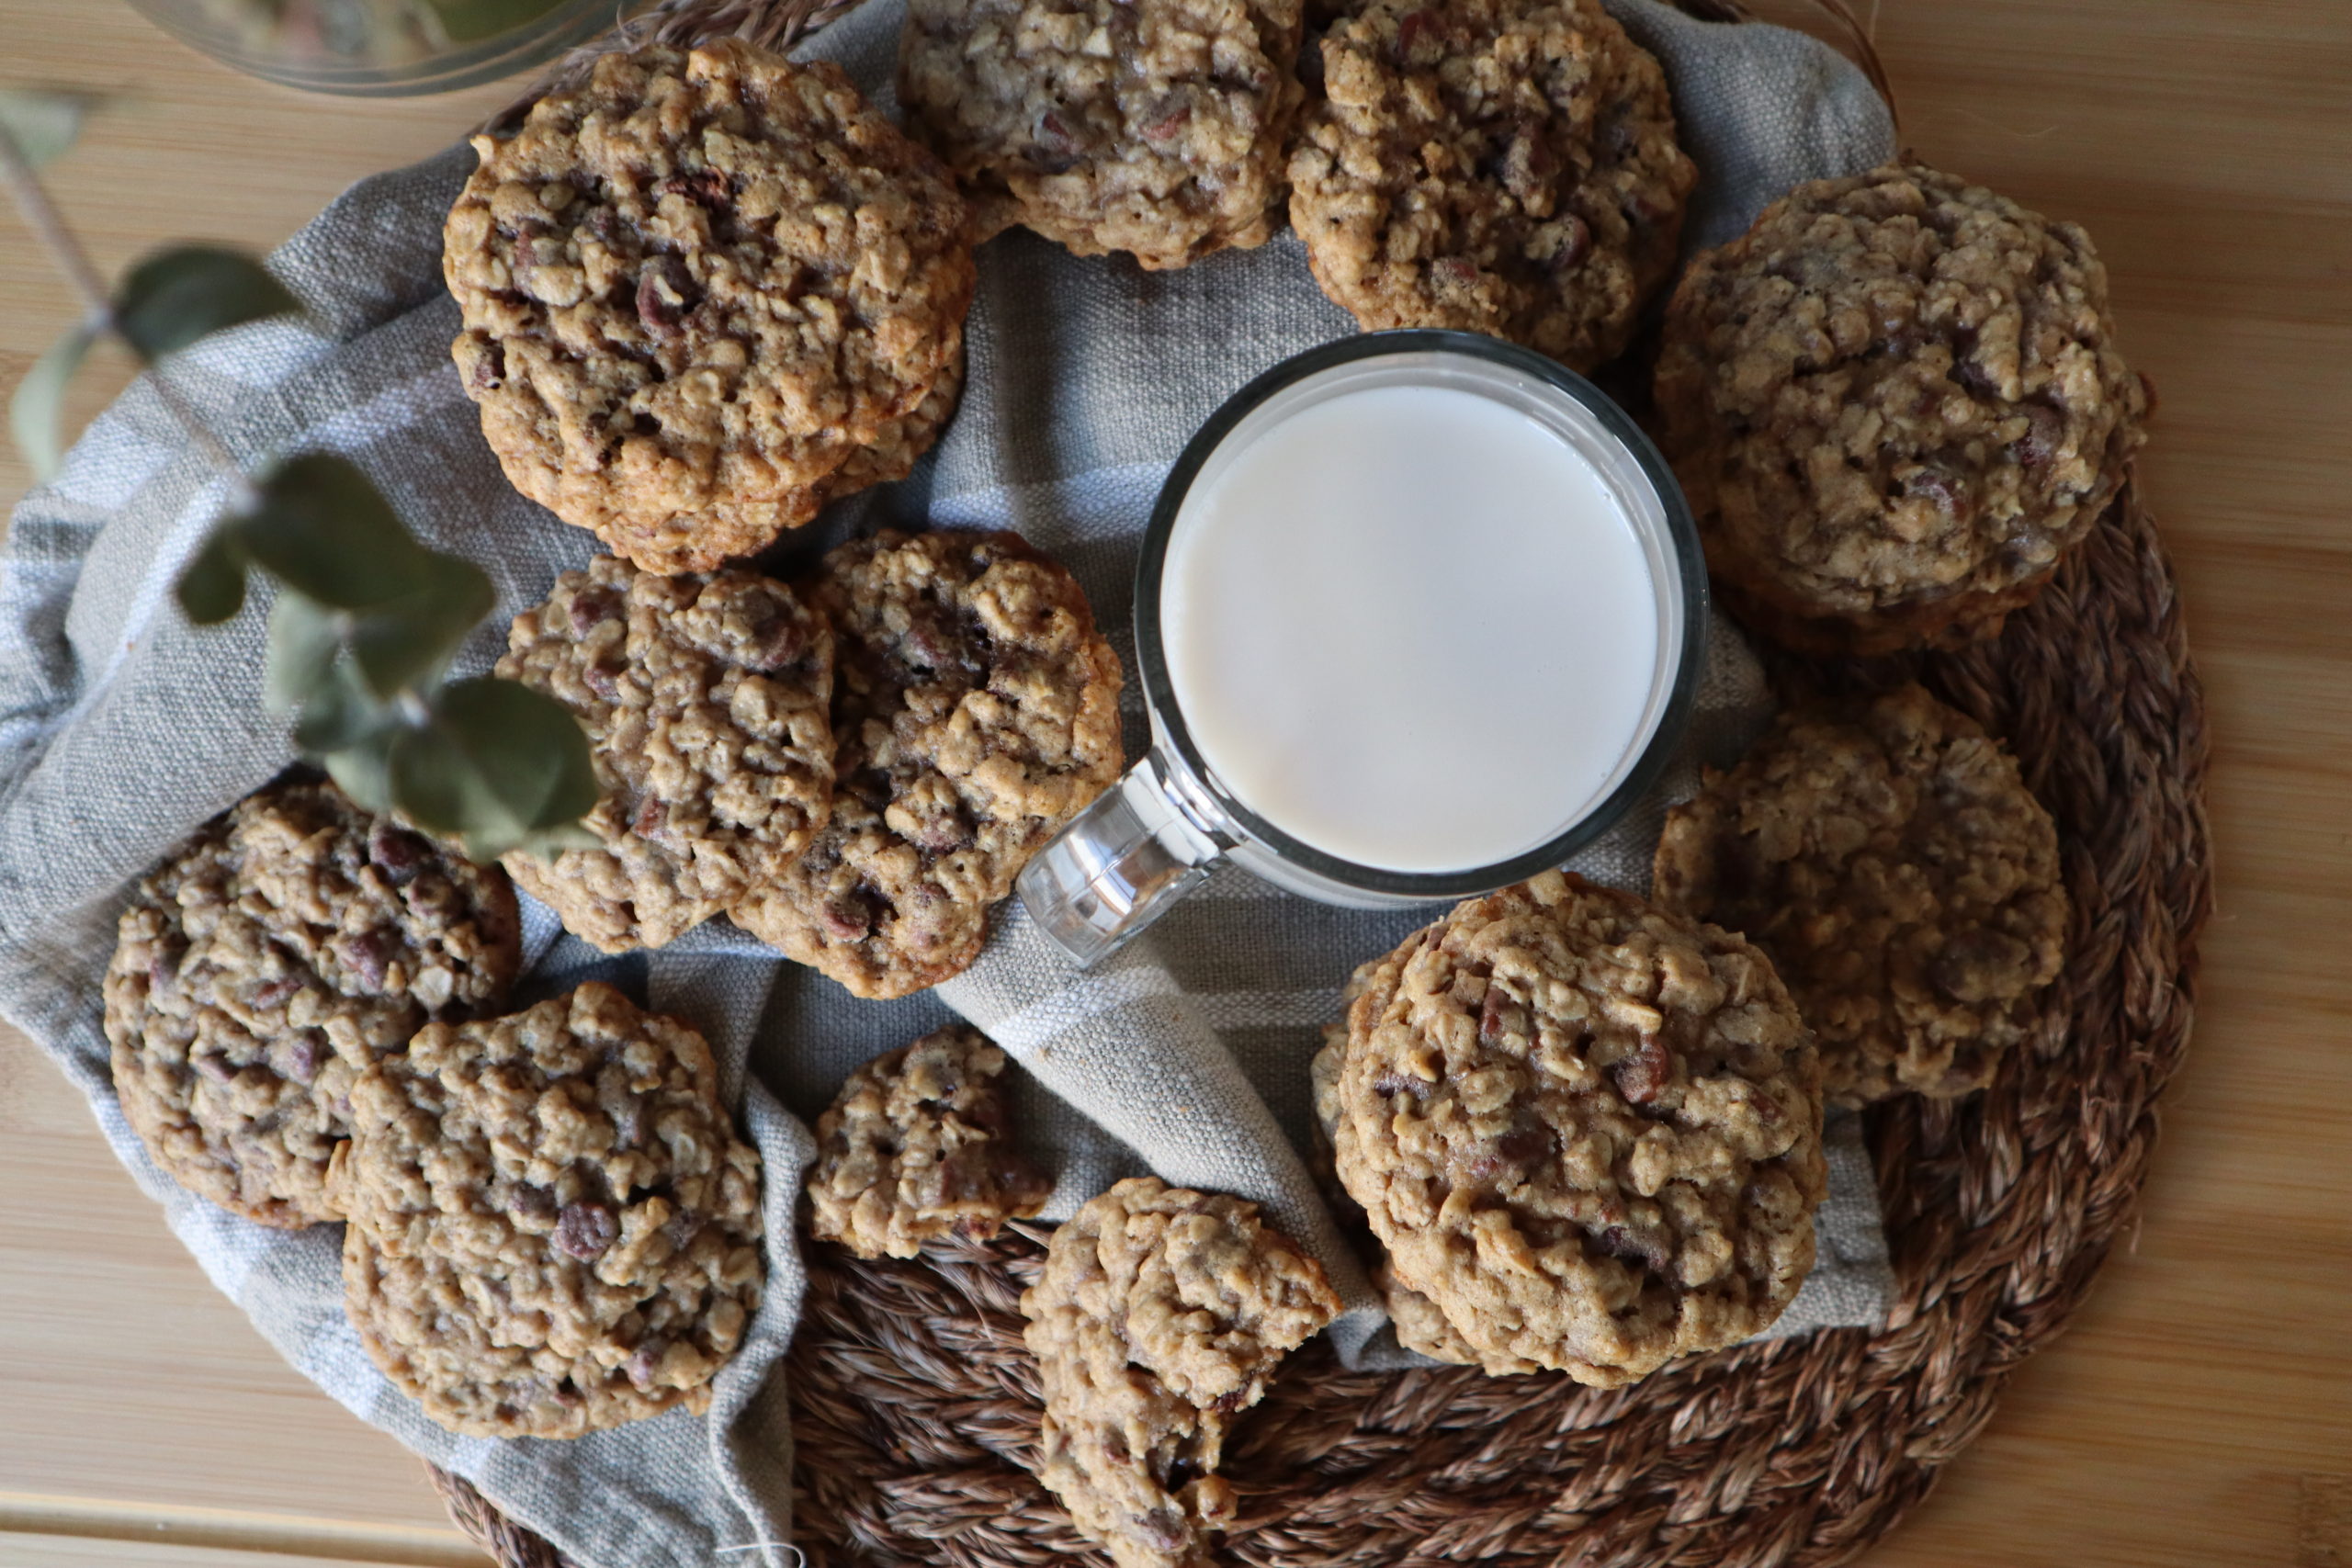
(695, 288)
(706, 699)
(1905, 882)
(554, 1227)
(1493, 167)
(1154, 126)
(1587, 1130)
(976, 711)
(1160, 1313)
(915, 1146)
(1894, 404)
(280, 950)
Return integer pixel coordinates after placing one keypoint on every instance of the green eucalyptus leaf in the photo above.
(212, 586)
(363, 772)
(322, 528)
(177, 296)
(43, 122)
(499, 764)
(305, 642)
(38, 406)
(341, 713)
(398, 644)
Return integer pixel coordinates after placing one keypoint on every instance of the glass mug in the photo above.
(1149, 839)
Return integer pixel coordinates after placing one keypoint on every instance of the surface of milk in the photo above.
(1411, 626)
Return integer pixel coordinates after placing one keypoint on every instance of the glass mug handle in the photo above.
(1122, 862)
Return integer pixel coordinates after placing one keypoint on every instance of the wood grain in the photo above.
(2201, 1411)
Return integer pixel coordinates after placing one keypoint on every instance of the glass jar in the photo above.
(384, 47)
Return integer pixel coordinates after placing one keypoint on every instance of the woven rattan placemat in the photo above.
(916, 1403)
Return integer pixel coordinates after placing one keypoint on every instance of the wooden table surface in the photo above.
(2200, 1413)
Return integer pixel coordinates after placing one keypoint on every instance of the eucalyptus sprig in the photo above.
(367, 618)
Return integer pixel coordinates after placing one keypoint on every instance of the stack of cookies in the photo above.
(550, 1225)
(854, 768)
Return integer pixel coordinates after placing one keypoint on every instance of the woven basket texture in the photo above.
(916, 1403)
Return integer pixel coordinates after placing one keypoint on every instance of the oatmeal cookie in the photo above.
(1496, 167)
(1894, 404)
(696, 289)
(1422, 1328)
(278, 952)
(915, 1146)
(1158, 1314)
(554, 1227)
(1891, 861)
(976, 711)
(1588, 1131)
(705, 698)
(1154, 126)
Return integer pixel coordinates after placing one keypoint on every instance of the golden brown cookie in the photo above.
(1894, 404)
(1154, 126)
(554, 1227)
(1494, 166)
(1158, 1314)
(976, 711)
(698, 289)
(915, 1147)
(281, 949)
(1586, 1131)
(705, 698)
(1889, 859)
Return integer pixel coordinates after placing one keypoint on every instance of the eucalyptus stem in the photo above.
(48, 225)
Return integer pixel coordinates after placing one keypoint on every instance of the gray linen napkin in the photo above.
(121, 729)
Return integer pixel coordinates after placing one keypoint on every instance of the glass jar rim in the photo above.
(1681, 536)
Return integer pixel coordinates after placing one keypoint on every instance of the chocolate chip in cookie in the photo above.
(282, 948)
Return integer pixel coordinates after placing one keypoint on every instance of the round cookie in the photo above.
(280, 949)
(554, 1227)
(915, 1146)
(1154, 126)
(695, 288)
(1588, 1131)
(1493, 167)
(1894, 404)
(1158, 1314)
(976, 711)
(705, 698)
(1906, 883)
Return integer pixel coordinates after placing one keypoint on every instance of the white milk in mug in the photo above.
(1418, 615)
